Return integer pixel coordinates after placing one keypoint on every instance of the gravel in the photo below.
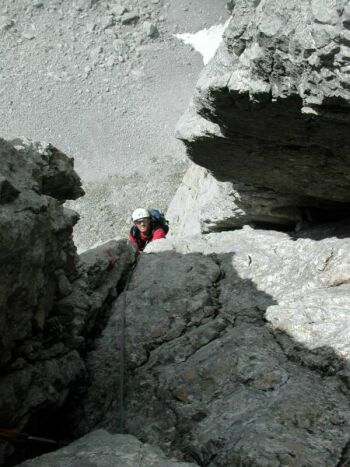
(105, 82)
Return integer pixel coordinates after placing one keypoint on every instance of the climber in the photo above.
(148, 226)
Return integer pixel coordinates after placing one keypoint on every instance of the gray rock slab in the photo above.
(277, 92)
(202, 204)
(52, 303)
(102, 449)
(241, 357)
(150, 29)
(130, 17)
(6, 23)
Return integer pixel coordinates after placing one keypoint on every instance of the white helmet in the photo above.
(140, 213)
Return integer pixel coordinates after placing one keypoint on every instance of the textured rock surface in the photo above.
(237, 348)
(272, 109)
(52, 302)
(202, 204)
(101, 106)
(35, 237)
(102, 449)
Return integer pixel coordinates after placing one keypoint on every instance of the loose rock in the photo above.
(130, 18)
(150, 29)
(6, 23)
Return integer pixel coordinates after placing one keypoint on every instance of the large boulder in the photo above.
(35, 237)
(53, 303)
(202, 204)
(102, 449)
(271, 110)
(236, 348)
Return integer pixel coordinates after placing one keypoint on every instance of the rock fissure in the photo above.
(321, 367)
(344, 458)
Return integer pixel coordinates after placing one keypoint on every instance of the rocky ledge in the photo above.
(52, 302)
(237, 348)
(271, 110)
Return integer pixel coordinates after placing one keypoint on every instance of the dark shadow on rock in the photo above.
(339, 229)
(208, 379)
(216, 383)
(316, 229)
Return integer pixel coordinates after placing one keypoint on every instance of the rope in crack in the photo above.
(17, 436)
(121, 389)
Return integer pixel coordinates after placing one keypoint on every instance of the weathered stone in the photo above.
(7, 191)
(106, 22)
(150, 29)
(118, 10)
(82, 5)
(202, 204)
(216, 340)
(270, 69)
(5, 23)
(120, 46)
(37, 4)
(130, 18)
(51, 302)
(96, 52)
(105, 450)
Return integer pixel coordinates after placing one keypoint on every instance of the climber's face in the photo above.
(143, 224)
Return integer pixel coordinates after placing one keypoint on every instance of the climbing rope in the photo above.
(121, 389)
(16, 436)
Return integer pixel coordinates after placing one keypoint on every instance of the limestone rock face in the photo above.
(271, 110)
(203, 204)
(35, 240)
(102, 449)
(237, 348)
(52, 302)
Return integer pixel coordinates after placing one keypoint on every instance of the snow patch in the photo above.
(205, 41)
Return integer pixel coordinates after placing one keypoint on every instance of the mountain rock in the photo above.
(131, 17)
(110, 450)
(236, 348)
(203, 204)
(271, 110)
(150, 29)
(52, 302)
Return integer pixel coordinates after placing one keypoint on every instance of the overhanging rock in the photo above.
(271, 110)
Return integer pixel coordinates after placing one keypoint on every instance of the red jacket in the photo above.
(141, 240)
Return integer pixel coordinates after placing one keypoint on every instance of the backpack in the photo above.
(159, 220)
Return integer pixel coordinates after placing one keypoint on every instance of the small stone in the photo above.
(230, 5)
(110, 32)
(90, 27)
(150, 29)
(37, 4)
(28, 35)
(107, 22)
(95, 52)
(324, 12)
(6, 23)
(7, 191)
(118, 10)
(110, 61)
(308, 110)
(337, 419)
(81, 5)
(120, 46)
(130, 18)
